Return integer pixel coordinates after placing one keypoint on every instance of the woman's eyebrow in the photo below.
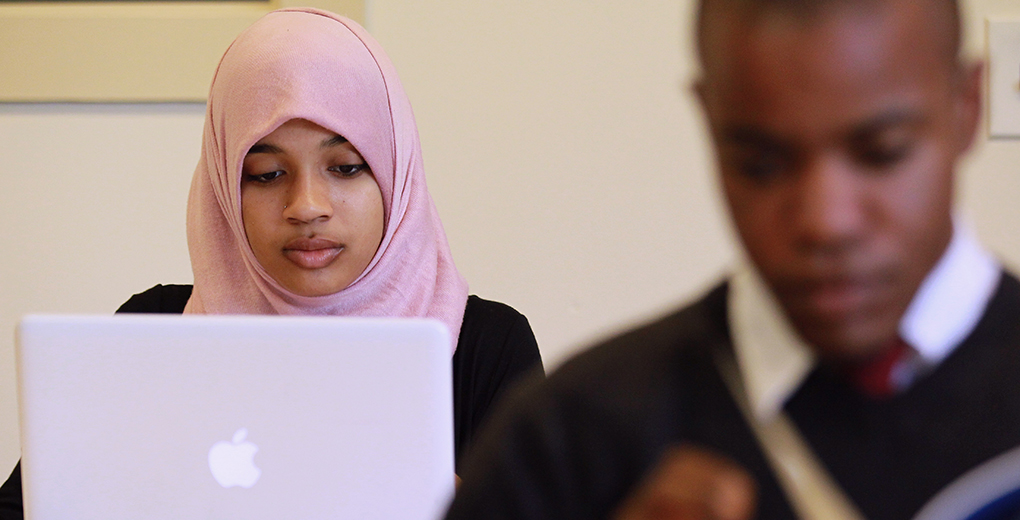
(333, 141)
(263, 148)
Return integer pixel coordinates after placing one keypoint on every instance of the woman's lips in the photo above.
(312, 253)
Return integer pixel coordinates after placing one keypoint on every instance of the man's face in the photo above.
(837, 136)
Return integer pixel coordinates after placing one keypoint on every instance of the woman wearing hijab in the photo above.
(310, 198)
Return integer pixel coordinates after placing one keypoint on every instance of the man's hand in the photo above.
(692, 483)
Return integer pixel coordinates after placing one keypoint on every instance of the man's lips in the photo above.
(839, 296)
(312, 253)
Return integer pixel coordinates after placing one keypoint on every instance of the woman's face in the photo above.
(312, 210)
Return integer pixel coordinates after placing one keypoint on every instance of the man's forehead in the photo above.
(863, 61)
(829, 80)
(718, 21)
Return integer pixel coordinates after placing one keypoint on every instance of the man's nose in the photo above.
(829, 206)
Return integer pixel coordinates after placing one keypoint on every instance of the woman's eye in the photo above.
(349, 170)
(264, 178)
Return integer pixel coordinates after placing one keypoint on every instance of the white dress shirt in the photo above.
(774, 360)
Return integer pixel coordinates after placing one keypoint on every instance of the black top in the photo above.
(574, 446)
(495, 348)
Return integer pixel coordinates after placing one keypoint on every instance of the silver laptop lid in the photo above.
(234, 417)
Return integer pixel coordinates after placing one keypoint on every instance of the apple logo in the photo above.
(232, 463)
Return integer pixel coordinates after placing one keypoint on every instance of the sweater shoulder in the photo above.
(159, 299)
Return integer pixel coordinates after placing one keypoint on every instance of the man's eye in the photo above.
(884, 148)
(882, 156)
(264, 178)
(760, 168)
(349, 170)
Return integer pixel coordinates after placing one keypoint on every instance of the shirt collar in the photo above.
(774, 360)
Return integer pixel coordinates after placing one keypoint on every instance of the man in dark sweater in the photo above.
(862, 357)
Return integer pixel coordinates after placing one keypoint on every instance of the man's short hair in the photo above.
(809, 8)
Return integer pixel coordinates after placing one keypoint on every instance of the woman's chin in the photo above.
(321, 282)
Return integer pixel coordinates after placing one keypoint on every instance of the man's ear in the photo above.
(969, 103)
(701, 91)
(698, 89)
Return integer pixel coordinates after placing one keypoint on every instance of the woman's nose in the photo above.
(308, 199)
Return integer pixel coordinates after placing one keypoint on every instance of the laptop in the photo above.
(150, 416)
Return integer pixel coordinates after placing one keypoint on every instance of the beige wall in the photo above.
(565, 154)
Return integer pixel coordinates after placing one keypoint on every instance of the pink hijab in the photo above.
(315, 65)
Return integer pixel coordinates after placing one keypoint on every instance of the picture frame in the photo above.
(125, 52)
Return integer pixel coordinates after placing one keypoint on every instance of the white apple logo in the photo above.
(232, 463)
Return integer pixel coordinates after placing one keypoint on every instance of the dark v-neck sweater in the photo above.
(575, 446)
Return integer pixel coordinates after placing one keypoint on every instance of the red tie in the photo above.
(874, 377)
